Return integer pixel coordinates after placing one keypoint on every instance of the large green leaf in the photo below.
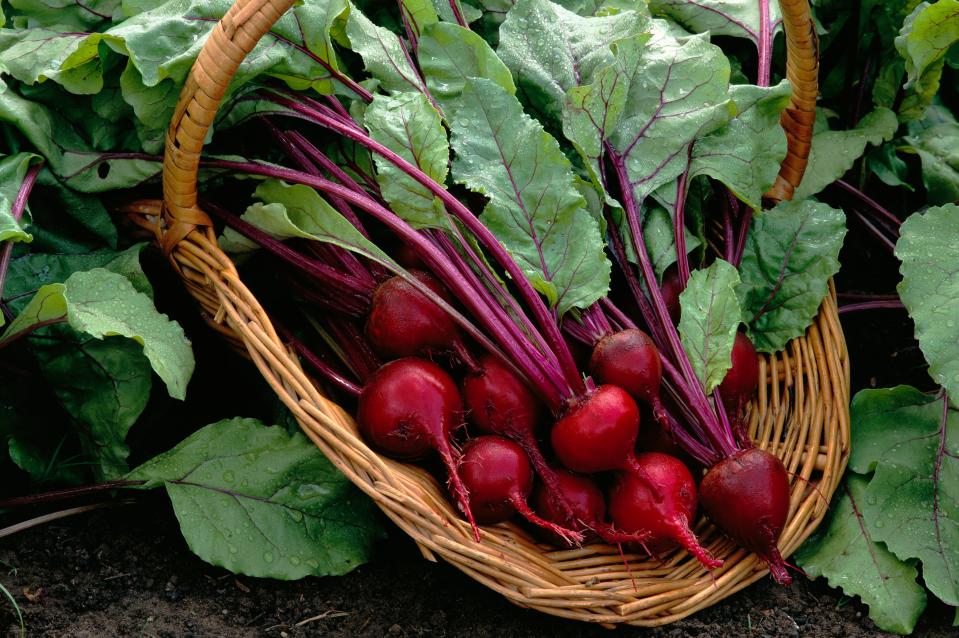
(261, 502)
(450, 54)
(834, 152)
(930, 288)
(102, 384)
(659, 96)
(926, 36)
(938, 149)
(67, 57)
(709, 320)
(746, 153)
(89, 15)
(408, 125)
(68, 156)
(791, 253)
(550, 49)
(13, 169)
(737, 18)
(534, 207)
(383, 54)
(846, 555)
(912, 501)
(660, 236)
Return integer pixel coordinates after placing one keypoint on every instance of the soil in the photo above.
(127, 571)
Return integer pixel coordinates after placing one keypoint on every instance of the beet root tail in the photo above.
(456, 486)
(685, 537)
(571, 536)
(613, 536)
(777, 566)
(546, 474)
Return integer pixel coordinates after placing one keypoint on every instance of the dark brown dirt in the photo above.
(127, 572)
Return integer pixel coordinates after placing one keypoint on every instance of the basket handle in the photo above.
(247, 21)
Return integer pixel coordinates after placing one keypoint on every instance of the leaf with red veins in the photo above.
(736, 18)
(846, 555)
(912, 501)
(659, 96)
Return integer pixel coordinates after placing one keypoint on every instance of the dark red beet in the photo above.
(498, 402)
(405, 256)
(633, 508)
(671, 289)
(409, 407)
(403, 322)
(740, 383)
(598, 434)
(499, 478)
(747, 496)
(630, 360)
(585, 499)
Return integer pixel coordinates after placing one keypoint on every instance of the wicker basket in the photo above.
(800, 414)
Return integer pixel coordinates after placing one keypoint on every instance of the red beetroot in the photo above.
(408, 408)
(633, 507)
(598, 434)
(499, 477)
(630, 360)
(498, 402)
(404, 322)
(747, 496)
(740, 383)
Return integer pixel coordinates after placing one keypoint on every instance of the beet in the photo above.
(740, 383)
(599, 433)
(630, 360)
(633, 507)
(499, 477)
(671, 289)
(408, 408)
(587, 506)
(747, 496)
(498, 402)
(404, 322)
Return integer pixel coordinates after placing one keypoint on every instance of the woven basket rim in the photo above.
(801, 413)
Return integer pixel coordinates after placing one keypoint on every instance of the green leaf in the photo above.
(450, 54)
(930, 288)
(13, 169)
(408, 125)
(846, 555)
(103, 384)
(833, 153)
(66, 221)
(534, 207)
(551, 50)
(746, 153)
(709, 319)
(382, 53)
(889, 167)
(912, 501)
(289, 211)
(791, 253)
(68, 156)
(89, 15)
(261, 502)
(926, 35)
(69, 58)
(737, 18)
(938, 149)
(420, 14)
(650, 106)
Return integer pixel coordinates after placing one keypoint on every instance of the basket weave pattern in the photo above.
(800, 413)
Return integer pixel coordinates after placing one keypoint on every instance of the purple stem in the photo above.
(458, 14)
(670, 346)
(19, 205)
(765, 45)
(679, 228)
(872, 305)
(729, 241)
(871, 203)
(530, 297)
(318, 363)
(615, 314)
(431, 255)
(745, 222)
(875, 231)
